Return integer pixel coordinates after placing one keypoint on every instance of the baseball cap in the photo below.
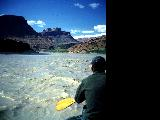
(98, 60)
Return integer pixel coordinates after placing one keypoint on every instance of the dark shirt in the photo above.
(92, 89)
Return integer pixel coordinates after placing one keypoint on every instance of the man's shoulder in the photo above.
(97, 74)
(87, 78)
(94, 75)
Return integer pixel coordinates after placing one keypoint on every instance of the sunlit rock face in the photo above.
(90, 45)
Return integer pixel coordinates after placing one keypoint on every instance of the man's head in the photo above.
(98, 64)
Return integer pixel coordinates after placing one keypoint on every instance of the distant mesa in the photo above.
(60, 38)
(54, 32)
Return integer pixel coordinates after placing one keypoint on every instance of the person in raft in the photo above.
(92, 91)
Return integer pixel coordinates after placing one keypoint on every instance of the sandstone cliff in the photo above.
(60, 38)
(90, 45)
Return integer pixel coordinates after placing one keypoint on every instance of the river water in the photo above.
(30, 85)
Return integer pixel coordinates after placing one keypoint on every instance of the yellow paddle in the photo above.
(62, 104)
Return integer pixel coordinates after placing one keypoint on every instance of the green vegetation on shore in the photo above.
(59, 50)
(100, 50)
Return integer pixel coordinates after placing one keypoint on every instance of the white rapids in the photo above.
(30, 85)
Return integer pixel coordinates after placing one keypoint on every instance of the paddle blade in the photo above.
(64, 103)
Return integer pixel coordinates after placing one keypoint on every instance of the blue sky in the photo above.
(83, 18)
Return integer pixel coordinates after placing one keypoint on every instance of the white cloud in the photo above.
(88, 31)
(88, 36)
(79, 5)
(2, 14)
(94, 5)
(31, 22)
(75, 31)
(100, 28)
(39, 23)
(79, 31)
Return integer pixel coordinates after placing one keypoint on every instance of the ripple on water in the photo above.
(30, 85)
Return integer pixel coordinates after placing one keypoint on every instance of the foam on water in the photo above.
(30, 85)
